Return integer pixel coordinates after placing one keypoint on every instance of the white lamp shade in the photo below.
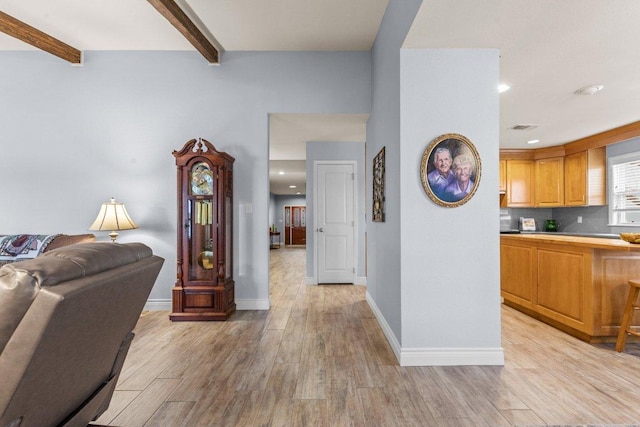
(113, 216)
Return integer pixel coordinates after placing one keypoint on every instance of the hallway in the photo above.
(319, 358)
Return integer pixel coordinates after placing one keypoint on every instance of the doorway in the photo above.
(295, 225)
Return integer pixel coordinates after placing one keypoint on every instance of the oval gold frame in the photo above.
(457, 145)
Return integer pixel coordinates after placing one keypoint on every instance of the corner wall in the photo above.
(383, 130)
(450, 262)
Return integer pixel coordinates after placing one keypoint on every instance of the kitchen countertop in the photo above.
(583, 240)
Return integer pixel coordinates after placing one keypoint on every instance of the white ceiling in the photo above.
(549, 49)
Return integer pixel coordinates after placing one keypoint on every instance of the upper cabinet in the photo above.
(503, 176)
(549, 182)
(519, 183)
(577, 179)
(571, 174)
(585, 182)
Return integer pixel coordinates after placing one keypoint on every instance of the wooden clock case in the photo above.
(204, 288)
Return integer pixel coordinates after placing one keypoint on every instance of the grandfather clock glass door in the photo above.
(200, 219)
(204, 287)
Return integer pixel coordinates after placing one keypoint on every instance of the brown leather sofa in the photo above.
(66, 322)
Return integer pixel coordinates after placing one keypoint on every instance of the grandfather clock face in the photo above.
(201, 179)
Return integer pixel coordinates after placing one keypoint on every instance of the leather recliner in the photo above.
(66, 322)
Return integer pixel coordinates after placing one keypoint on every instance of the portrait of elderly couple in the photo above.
(450, 169)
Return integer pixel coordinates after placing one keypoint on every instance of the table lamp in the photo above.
(114, 217)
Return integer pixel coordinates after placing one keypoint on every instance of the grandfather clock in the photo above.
(204, 288)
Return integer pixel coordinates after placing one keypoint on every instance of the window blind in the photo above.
(625, 186)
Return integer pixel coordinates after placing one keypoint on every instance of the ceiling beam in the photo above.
(176, 16)
(26, 33)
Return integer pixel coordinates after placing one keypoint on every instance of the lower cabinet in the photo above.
(579, 290)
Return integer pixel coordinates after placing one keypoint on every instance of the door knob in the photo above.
(320, 230)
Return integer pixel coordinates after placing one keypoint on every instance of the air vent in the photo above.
(523, 127)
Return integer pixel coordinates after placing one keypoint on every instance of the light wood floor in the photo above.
(319, 358)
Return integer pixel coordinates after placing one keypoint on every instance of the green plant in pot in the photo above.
(551, 225)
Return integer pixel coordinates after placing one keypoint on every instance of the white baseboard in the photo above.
(436, 356)
(158, 305)
(310, 281)
(252, 304)
(452, 357)
(241, 304)
(386, 329)
(360, 281)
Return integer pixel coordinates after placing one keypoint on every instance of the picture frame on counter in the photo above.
(378, 187)
(527, 224)
(450, 170)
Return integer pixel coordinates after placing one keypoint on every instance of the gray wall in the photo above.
(424, 271)
(384, 286)
(317, 150)
(447, 276)
(72, 137)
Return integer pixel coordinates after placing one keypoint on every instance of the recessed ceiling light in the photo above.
(533, 141)
(503, 87)
(589, 90)
(298, 192)
(281, 173)
(292, 186)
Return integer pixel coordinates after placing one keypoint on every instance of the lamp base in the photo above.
(113, 236)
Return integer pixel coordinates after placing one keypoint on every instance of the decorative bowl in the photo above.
(630, 237)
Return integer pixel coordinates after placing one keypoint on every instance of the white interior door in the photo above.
(335, 222)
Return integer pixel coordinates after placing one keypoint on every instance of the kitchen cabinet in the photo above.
(518, 273)
(519, 183)
(576, 179)
(549, 182)
(576, 284)
(585, 178)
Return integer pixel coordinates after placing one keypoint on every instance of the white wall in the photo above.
(450, 256)
(71, 137)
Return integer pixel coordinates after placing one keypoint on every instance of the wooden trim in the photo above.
(26, 33)
(549, 152)
(176, 16)
(602, 139)
(516, 154)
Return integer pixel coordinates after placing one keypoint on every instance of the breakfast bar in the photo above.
(574, 283)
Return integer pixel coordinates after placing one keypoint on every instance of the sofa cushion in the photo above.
(20, 282)
(69, 239)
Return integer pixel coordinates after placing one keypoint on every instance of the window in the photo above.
(624, 190)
